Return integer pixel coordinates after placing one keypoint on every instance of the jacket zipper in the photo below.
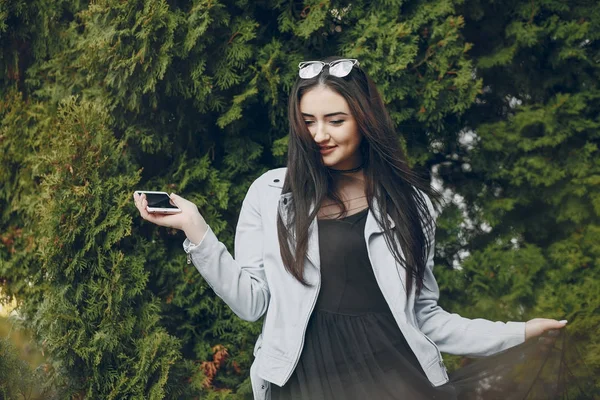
(435, 346)
(441, 359)
(297, 356)
(312, 307)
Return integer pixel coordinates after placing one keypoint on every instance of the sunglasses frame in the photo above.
(303, 64)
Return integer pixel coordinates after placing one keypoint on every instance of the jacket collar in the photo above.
(285, 201)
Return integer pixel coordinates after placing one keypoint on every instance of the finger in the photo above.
(553, 324)
(138, 201)
(559, 324)
(142, 206)
(144, 210)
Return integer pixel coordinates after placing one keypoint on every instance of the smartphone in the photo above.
(159, 202)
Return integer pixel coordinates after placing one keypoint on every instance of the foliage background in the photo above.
(497, 100)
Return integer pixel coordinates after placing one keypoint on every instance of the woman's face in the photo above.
(328, 118)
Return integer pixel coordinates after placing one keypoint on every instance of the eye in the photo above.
(338, 122)
(309, 122)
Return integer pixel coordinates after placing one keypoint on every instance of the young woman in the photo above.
(337, 249)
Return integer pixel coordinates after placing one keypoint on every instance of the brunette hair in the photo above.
(388, 177)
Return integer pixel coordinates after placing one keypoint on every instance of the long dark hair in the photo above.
(388, 178)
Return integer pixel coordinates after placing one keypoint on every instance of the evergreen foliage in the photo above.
(18, 380)
(14, 373)
(100, 99)
(529, 170)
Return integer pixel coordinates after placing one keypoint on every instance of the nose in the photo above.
(321, 134)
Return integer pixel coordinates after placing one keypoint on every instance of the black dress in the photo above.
(353, 348)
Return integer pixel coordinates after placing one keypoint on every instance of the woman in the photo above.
(337, 250)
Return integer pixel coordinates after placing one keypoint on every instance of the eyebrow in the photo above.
(327, 115)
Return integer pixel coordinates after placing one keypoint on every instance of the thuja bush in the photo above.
(528, 170)
(101, 99)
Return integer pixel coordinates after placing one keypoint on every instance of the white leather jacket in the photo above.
(255, 282)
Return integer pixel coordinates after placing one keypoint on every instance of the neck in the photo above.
(348, 171)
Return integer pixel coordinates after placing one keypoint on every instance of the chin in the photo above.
(329, 164)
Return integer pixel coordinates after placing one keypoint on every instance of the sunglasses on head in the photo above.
(339, 68)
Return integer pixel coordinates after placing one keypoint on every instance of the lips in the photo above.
(326, 149)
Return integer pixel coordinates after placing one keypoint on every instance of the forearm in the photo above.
(455, 334)
(470, 337)
(243, 288)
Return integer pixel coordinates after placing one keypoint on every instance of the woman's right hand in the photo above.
(188, 220)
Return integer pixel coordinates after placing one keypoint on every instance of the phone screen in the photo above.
(159, 200)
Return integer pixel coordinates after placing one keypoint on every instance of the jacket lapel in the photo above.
(382, 259)
(371, 225)
(285, 201)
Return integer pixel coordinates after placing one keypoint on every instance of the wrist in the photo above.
(195, 229)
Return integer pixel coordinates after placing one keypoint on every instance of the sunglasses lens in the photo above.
(341, 69)
(310, 70)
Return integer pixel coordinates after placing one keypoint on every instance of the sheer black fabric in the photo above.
(354, 349)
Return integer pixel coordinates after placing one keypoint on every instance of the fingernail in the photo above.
(564, 321)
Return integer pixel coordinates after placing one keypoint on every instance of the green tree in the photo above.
(100, 99)
(528, 168)
(15, 374)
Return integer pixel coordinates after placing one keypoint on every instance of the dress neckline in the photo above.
(360, 213)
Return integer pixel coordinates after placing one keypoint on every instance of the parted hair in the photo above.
(388, 178)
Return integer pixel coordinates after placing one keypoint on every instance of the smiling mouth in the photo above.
(327, 147)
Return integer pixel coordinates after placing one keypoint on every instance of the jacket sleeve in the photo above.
(454, 334)
(240, 282)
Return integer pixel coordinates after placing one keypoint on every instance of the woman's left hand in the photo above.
(537, 326)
